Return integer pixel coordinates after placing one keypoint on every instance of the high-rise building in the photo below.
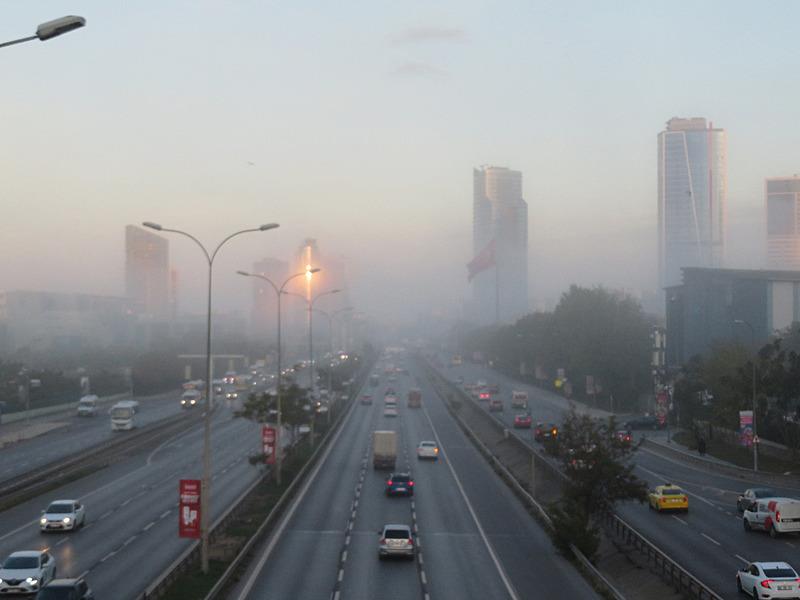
(147, 277)
(692, 197)
(782, 202)
(499, 271)
(264, 315)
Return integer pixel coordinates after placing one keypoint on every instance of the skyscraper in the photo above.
(499, 271)
(782, 203)
(692, 197)
(264, 314)
(147, 277)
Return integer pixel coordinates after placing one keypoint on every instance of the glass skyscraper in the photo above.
(782, 195)
(500, 215)
(692, 197)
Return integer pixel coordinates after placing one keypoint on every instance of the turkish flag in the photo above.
(484, 260)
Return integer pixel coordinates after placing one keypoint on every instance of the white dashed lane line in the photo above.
(710, 539)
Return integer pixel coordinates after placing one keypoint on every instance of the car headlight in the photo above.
(66, 520)
(32, 580)
(43, 521)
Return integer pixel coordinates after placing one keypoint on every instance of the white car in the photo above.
(428, 450)
(26, 572)
(390, 411)
(87, 406)
(63, 515)
(768, 580)
(190, 399)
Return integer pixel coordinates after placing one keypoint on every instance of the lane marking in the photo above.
(149, 525)
(742, 558)
(680, 520)
(710, 539)
(506, 582)
(107, 556)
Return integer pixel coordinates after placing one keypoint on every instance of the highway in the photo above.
(475, 540)
(75, 433)
(132, 523)
(709, 541)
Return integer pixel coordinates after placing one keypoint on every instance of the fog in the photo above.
(359, 127)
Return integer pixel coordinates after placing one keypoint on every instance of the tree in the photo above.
(600, 473)
(263, 408)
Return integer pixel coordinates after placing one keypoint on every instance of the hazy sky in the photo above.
(363, 120)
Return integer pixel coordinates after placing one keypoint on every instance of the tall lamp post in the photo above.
(310, 329)
(51, 29)
(279, 291)
(755, 430)
(331, 317)
(205, 491)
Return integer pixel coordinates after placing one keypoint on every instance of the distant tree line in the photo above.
(591, 332)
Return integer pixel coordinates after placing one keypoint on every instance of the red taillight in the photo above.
(389, 482)
(382, 541)
(410, 542)
(778, 516)
(410, 484)
(766, 583)
(686, 499)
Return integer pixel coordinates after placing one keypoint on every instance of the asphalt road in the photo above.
(474, 537)
(79, 433)
(709, 541)
(132, 521)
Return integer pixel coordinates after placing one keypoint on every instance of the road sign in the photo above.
(189, 508)
(268, 435)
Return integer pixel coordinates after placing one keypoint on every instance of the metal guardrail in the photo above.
(191, 554)
(93, 457)
(669, 570)
(523, 493)
(681, 579)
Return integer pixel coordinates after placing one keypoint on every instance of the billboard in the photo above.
(746, 428)
(268, 441)
(189, 508)
(662, 406)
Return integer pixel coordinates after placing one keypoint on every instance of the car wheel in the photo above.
(746, 524)
(773, 533)
(755, 594)
(739, 585)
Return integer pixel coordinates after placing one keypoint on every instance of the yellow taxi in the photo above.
(668, 497)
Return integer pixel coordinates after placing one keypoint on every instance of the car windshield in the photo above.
(780, 572)
(396, 534)
(763, 493)
(59, 509)
(672, 492)
(21, 562)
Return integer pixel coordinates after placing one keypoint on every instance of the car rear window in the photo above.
(780, 572)
(672, 492)
(400, 478)
(428, 444)
(21, 562)
(764, 493)
(397, 534)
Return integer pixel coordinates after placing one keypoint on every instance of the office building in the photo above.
(702, 310)
(147, 275)
(782, 203)
(692, 197)
(499, 269)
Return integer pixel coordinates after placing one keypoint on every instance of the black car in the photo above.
(400, 484)
(66, 589)
(645, 422)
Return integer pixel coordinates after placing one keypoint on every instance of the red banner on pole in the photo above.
(268, 440)
(189, 508)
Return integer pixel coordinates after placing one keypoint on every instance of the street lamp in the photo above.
(51, 29)
(310, 338)
(755, 430)
(205, 491)
(279, 291)
(331, 317)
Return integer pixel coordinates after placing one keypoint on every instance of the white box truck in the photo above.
(123, 415)
(384, 449)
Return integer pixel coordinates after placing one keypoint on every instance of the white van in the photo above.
(773, 515)
(123, 415)
(519, 399)
(87, 406)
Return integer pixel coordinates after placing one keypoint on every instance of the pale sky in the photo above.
(363, 121)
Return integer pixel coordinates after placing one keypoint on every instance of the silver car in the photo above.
(26, 572)
(396, 540)
(63, 515)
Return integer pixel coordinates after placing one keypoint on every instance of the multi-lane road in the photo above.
(709, 541)
(132, 522)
